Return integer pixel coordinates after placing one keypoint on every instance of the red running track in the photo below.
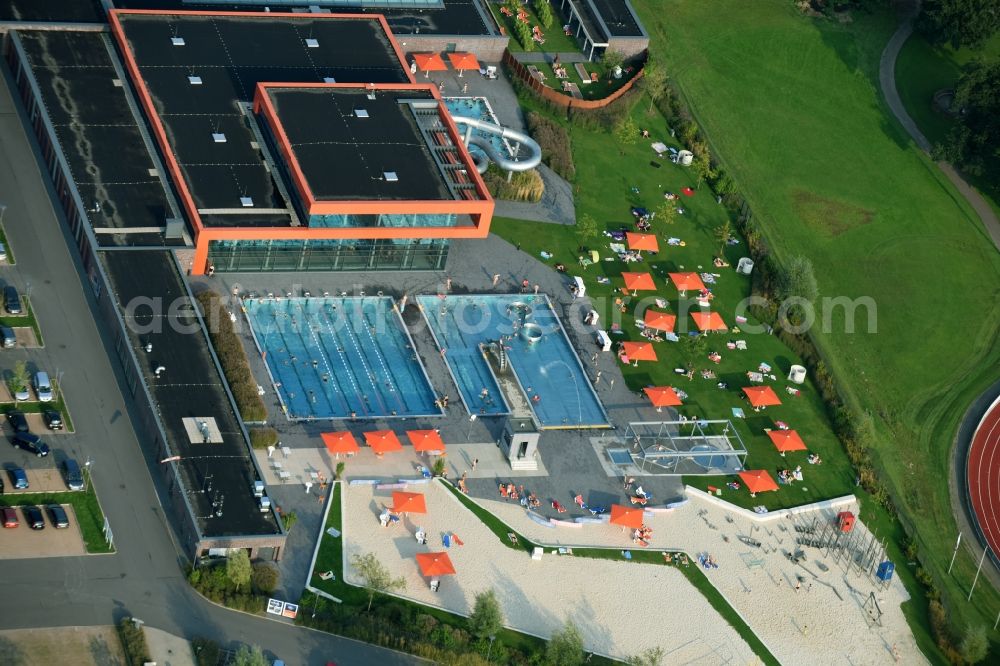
(984, 476)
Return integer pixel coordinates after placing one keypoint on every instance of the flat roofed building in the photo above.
(196, 74)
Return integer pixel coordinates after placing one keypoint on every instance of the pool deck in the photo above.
(568, 455)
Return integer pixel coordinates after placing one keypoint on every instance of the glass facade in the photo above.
(385, 220)
(328, 255)
(388, 4)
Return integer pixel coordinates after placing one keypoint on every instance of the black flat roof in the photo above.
(99, 135)
(458, 17)
(617, 16)
(344, 157)
(190, 386)
(230, 55)
(47, 11)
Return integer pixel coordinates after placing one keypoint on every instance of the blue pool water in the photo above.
(477, 107)
(548, 368)
(331, 357)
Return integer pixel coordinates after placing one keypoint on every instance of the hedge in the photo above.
(555, 143)
(232, 357)
(133, 642)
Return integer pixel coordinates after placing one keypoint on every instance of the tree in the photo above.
(959, 22)
(290, 519)
(565, 648)
(650, 657)
(667, 212)
(586, 226)
(975, 644)
(976, 137)
(626, 133)
(693, 348)
(19, 377)
(544, 12)
(249, 656)
(797, 280)
(264, 577)
(654, 80)
(439, 467)
(339, 471)
(238, 568)
(702, 165)
(611, 59)
(487, 617)
(375, 577)
(722, 234)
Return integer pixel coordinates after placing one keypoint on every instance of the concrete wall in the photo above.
(487, 49)
(630, 46)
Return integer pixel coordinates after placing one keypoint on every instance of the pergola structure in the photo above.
(694, 448)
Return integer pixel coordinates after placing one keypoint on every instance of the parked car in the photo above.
(10, 519)
(12, 300)
(43, 387)
(53, 419)
(33, 517)
(58, 516)
(19, 478)
(74, 477)
(3, 252)
(31, 443)
(7, 337)
(18, 421)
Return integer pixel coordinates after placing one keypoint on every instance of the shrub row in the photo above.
(232, 356)
(133, 642)
(554, 140)
(262, 437)
(403, 627)
(211, 581)
(523, 186)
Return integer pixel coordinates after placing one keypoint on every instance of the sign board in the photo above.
(282, 608)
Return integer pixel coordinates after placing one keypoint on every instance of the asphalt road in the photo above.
(144, 578)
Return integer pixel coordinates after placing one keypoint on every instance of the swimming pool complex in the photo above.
(340, 357)
(539, 352)
(478, 107)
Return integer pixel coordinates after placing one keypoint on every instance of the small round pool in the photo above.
(531, 332)
(701, 457)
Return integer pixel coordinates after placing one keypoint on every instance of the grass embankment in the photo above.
(6, 244)
(792, 108)
(88, 512)
(923, 69)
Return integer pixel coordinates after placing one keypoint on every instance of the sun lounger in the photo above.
(512, 538)
(581, 71)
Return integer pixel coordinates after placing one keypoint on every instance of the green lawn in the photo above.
(792, 108)
(599, 89)
(922, 69)
(85, 505)
(35, 407)
(555, 40)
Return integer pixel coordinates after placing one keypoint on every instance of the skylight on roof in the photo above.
(361, 113)
(312, 43)
(390, 176)
(218, 137)
(329, 79)
(194, 80)
(177, 41)
(246, 202)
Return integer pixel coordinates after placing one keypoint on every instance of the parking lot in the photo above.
(23, 542)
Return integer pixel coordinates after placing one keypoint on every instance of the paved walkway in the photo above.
(887, 81)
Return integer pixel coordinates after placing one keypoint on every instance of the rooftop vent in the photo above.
(390, 176)
(371, 94)
(361, 113)
(194, 80)
(312, 43)
(218, 137)
(329, 79)
(177, 41)
(246, 202)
